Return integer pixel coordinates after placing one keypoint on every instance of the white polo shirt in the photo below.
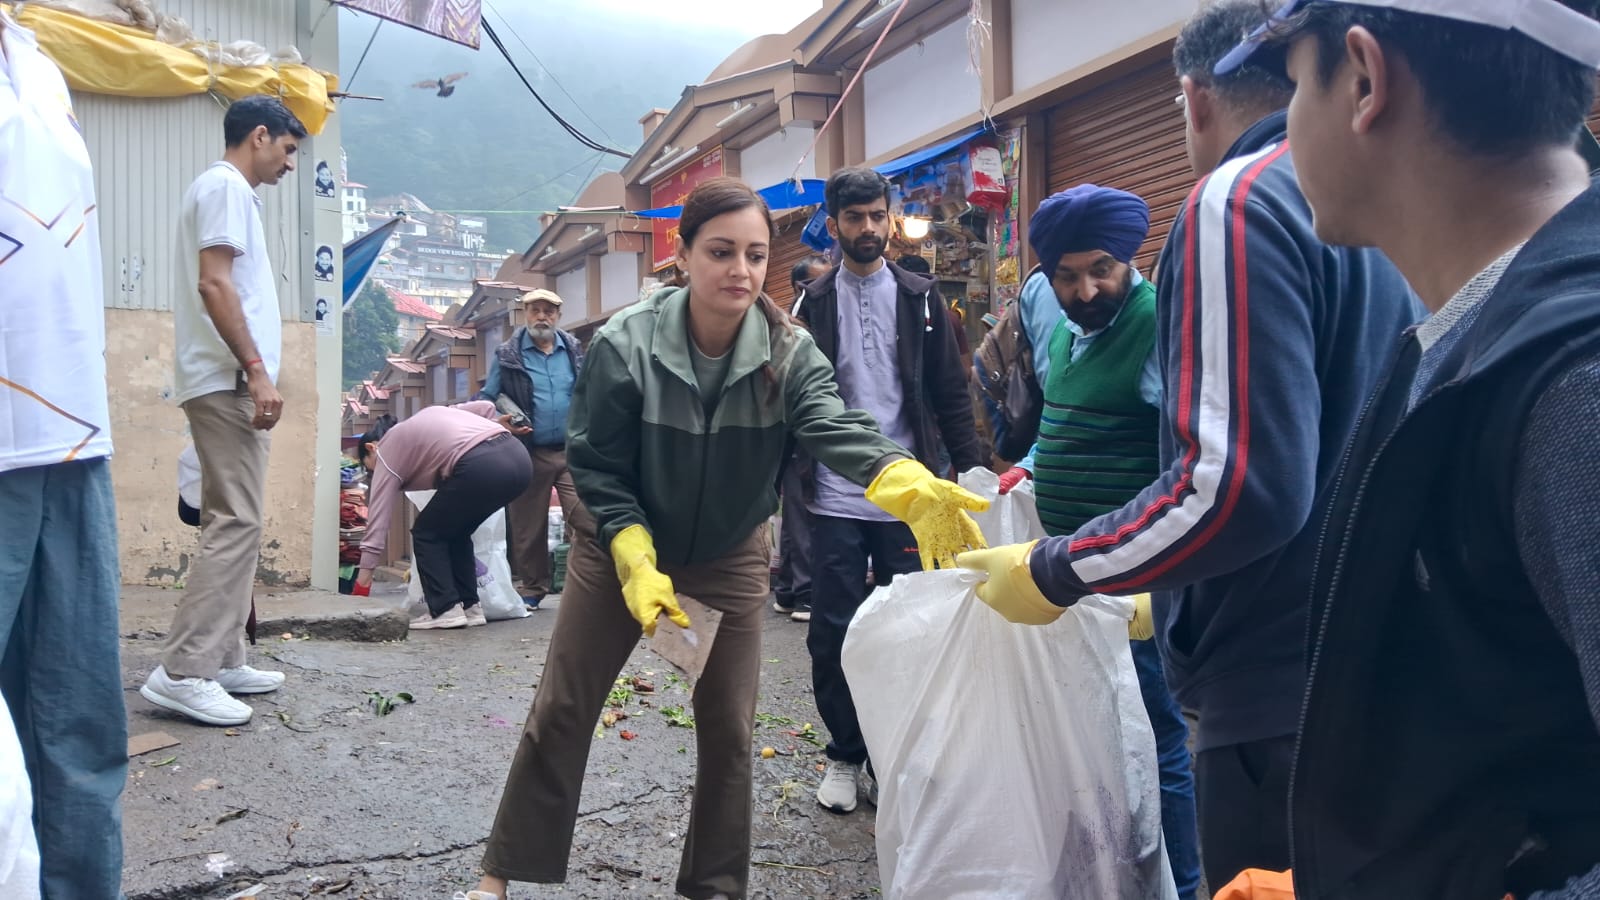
(52, 307)
(220, 209)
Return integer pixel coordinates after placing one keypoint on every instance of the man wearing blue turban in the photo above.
(1098, 440)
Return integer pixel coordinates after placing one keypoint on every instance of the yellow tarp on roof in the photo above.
(102, 58)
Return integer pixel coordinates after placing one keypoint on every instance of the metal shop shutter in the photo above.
(1125, 134)
(786, 251)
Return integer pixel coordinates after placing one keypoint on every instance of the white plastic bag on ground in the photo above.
(499, 598)
(1013, 761)
(19, 852)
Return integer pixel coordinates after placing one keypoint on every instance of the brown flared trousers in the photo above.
(594, 635)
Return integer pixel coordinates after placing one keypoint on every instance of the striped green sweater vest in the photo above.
(1098, 437)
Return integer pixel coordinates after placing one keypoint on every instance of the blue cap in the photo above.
(1253, 42)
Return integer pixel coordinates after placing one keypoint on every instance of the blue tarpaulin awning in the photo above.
(895, 166)
(360, 255)
(787, 195)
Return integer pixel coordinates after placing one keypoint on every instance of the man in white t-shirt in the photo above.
(59, 667)
(229, 338)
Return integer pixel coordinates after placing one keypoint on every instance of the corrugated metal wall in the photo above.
(147, 151)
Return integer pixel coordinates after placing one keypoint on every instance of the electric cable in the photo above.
(577, 135)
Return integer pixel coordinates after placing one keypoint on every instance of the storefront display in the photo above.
(958, 212)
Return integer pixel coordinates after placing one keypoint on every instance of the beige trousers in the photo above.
(208, 630)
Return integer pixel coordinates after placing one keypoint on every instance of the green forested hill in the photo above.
(489, 146)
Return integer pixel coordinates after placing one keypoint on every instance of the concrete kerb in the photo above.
(147, 612)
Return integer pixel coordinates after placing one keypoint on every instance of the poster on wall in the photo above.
(672, 190)
(324, 318)
(324, 182)
(453, 20)
(323, 268)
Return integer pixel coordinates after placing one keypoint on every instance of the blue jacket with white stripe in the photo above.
(1270, 343)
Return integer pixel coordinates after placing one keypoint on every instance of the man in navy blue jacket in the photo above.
(1270, 342)
(1450, 744)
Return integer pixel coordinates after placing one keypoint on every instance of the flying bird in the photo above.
(445, 86)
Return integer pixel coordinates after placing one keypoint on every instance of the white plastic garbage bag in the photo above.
(499, 598)
(1013, 761)
(19, 852)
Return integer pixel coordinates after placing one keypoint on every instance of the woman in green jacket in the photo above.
(678, 427)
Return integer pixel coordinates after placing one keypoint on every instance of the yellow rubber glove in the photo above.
(1010, 589)
(934, 508)
(1143, 626)
(646, 591)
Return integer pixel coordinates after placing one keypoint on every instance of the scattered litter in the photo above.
(289, 835)
(149, 742)
(777, 865)
(643, 685)
(613, 817)
(676, 717)
(248, 893)
(768, 753)
(218, 864)
(383, 704)
(165, 762)
(208, 784)
(287, 636)
(231, 815)
(626, 735)
(231, 732)
(498, 722)
(332, 887)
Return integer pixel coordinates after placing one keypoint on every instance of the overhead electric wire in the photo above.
(357, 71)
(585, 182)
(554, 178)
(577, 135)
(547, 71)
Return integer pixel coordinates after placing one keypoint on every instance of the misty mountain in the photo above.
(489, 146)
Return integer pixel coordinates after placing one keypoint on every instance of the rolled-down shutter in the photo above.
(787, 250)
(1126, 134)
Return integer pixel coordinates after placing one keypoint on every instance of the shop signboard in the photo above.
(672, 190)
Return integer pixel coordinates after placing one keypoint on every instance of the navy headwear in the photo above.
(1088, 217)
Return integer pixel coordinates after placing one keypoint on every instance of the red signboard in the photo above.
(672, 190)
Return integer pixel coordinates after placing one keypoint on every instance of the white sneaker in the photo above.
(201, 699)
(453, 617)
(872, 790)
(246, 680)
(475, 895)
(475, 617)
(839, 787)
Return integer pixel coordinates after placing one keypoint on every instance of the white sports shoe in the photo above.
(201, 699)
(475, 895)
(246, 680)
(839, 787)
(453, 617)
(475, 617)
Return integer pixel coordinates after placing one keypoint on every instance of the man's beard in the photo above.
(1098, 313)
(542, 331)
(863, 251)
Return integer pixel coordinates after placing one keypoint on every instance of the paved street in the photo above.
(321, 796)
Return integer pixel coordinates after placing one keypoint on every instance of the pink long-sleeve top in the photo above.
(418, 454)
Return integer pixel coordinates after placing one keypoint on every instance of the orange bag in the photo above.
(1258, 884)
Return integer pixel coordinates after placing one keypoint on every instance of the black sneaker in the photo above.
(782, 605)
(801, 612)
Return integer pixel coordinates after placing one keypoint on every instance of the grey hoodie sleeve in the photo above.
(1557, 501)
